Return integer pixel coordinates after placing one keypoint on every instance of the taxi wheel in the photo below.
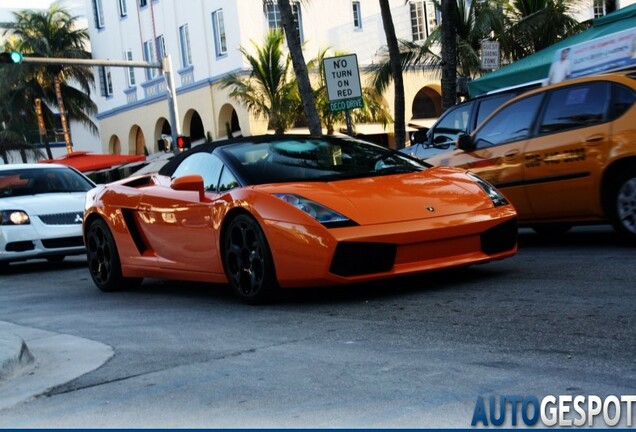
(103, 259)
(247, 260)
(624, 206)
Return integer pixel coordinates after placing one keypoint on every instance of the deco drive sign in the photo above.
(343, 82)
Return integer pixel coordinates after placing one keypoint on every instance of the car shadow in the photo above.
(593, 236)
(386, 289)
(42, 265)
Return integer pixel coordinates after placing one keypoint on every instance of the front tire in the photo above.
(623, 209)
(103, 259)
(248, 261)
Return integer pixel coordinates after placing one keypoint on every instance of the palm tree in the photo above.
(300, 68)
(536, 24)
(269, 91)
(449, 54)
(55, 33)
(11, 142)
(396, 74)
(518, 30)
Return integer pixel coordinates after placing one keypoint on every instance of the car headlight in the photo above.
(322, 214)
(497, 198)
(14, 217)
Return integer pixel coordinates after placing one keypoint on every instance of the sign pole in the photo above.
(349, 127)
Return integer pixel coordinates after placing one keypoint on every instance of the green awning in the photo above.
(534, 68)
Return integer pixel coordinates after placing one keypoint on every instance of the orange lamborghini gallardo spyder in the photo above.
(271, 212)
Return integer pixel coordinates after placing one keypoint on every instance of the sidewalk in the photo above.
(33, 361)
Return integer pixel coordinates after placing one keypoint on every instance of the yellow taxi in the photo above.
(563, 154)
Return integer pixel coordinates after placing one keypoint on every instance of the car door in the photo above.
(179, 225)
(498, 154)
(563, 162)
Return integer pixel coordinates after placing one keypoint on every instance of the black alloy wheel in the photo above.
(103, 259)
(248, 261)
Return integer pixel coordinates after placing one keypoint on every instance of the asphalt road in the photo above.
(413, 352)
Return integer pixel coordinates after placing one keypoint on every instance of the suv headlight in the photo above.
(497, 198)
(14, 217)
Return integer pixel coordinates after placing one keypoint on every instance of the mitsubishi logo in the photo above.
(78, 218)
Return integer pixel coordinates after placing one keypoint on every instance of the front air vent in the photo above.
(353, 259)
(500, 238)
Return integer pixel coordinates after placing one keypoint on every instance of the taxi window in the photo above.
(487, 106)
(512, 123)
(575, 106)
(622, 99)
(206, 165)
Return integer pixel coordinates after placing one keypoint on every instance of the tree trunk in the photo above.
(449, 54)
(60, 107)
(300, 67)
(396, 73)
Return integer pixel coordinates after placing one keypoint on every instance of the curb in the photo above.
(14, 356)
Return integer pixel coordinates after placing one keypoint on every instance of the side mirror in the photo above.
(465, 142)
(193, 182)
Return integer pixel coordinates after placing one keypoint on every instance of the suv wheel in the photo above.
(623, 210)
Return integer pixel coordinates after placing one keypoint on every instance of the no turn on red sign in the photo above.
(343, 82)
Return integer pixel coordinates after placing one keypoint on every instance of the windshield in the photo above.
(319, 159)
(34, 181)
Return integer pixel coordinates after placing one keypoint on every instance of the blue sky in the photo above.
(76, 7)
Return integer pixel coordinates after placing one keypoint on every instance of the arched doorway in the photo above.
(427, 104)
(193, 126)
(229, 121)
(163, 132)
(136, 141)
(114, 145)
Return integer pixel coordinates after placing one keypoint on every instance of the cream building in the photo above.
(203, 38)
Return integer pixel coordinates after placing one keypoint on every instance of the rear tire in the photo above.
(103, 259)
(623, 206)
(247, 261)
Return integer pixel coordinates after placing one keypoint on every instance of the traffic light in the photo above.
(14, 57)
(183, 142)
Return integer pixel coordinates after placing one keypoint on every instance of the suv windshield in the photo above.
(34, 181)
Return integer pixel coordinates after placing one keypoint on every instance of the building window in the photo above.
(599, 8)
(357, 16)
(423, 19)
(161, 47)
(105, 81)
(143, 3)
(150, 55)
(130, 72)
(123, 9)
(184, 41)
(273, 16)
(98, 14)
(220, 40)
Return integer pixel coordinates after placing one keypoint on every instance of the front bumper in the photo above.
(314, 256)
(37, 240)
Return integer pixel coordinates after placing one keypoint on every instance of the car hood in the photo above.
(394, 198)
(50, 203)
